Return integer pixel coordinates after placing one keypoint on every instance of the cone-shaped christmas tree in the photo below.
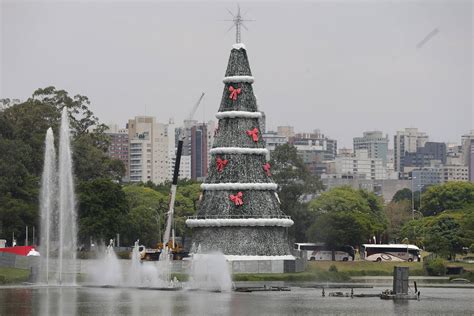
(239, 213)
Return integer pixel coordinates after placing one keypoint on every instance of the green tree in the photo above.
(397, 214)
(147, 214)
(344, 216)
(445, 237)
(149, 205)
(103, 210)
(22, 131)
(406, 195)
(447, 196)
(294, 183)
(338, 229)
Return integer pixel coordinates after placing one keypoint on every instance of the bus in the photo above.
(319, 251)
(390, 252)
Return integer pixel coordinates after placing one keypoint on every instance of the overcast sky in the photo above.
(343, 67)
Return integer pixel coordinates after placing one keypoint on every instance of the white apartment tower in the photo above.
(151, 149)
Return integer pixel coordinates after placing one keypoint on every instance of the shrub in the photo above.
(434, 267)
(332, 268)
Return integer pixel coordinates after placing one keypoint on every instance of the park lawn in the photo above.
(13, 275)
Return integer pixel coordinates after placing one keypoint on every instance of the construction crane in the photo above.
(174, 184)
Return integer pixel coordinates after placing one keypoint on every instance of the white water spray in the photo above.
(47, 204)
(67, 207)
(58, 239)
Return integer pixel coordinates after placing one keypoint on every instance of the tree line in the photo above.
(444, 221)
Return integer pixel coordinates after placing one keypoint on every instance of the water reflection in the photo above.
(107, 301)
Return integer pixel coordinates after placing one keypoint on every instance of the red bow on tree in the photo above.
(221, 163)
(234, 92)
(237, 199)
(266, 167)
(254, 134)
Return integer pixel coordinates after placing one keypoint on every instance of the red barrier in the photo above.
(18, 250)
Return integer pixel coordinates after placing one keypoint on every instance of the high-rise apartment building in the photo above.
(118, 147)
(199, 152)
(314, 143)
(150, 150)
(360, 166)
(466, 147)
(408, 140)
(375, 143)
(425, 156)
(198, 141)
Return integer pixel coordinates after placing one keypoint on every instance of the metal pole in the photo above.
(26, 238)
(412, 199)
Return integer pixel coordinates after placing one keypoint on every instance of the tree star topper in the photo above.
(238, 22)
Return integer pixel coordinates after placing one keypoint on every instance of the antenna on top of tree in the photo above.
(238, 21)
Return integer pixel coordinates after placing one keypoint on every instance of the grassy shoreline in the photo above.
(13, 275)
(316, 271)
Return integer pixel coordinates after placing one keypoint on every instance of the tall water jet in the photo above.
(67, 208)
(47, 205)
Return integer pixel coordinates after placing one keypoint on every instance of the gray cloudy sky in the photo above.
(340, 66)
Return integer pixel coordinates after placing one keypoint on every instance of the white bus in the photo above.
(319, 251)
(390, 252)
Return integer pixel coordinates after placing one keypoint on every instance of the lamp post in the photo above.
(412, 198)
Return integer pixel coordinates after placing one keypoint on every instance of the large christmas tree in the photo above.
(239, 213)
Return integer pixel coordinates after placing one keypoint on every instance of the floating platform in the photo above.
(176, 288)
(399, 296)
(262, 289)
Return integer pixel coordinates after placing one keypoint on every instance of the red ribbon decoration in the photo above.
(266, 167)
(254, 134)
(237, 199)
(234, 92)
(221, 163)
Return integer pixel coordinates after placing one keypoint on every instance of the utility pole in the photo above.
(412, 198)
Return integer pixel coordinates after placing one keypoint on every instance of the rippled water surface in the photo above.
(299, 301)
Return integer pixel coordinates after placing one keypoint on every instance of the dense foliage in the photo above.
(447, 228)
(447, 196)
(295, 182)
(344, 216)
(22, 131)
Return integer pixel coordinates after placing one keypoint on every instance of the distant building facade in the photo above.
(466, 147)
(199, 152)
(454, 173)
(425, 177)
(273, 140)
(375, 143)
(150, 148)
(287, 131)
(424, 156)
(360, 166)
(119, 146)
(407, 141)
(315, 149)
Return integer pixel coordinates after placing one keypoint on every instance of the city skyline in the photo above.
(366, 66)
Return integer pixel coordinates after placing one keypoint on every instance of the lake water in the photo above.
(299, 301)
